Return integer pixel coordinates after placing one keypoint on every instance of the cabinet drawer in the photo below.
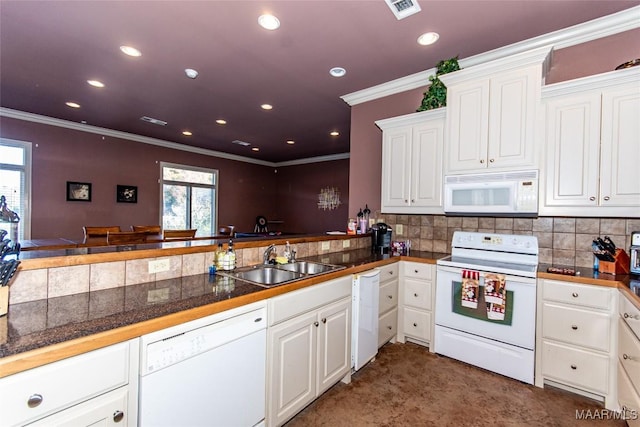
(576, 367)
(417, 294)
(630, 314)
(628, 398)
(572, 293)
(388, 296)
(387, 326)
(417, 324)
(389, 272)
(62, 384)
(576, 326)
(629, 353)
(417, 270)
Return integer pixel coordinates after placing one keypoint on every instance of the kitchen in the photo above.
(436, 228)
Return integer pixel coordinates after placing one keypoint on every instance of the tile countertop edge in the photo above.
(31, 359)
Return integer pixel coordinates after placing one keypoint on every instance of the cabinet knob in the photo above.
(575, 295)
(324, 320)
(592, 198)
(34, 400)
(415, 271)
(415, 295)
(316, 323)
(406, 201)
(481, 160)
(490, 160)
(413, 200)
(607, 198)
(630, 316)
(415, 325)
(574, 367)
(118, 416)
(625, 356)
(391, 273)
(390, 296)
(389, 327)
(574, 327)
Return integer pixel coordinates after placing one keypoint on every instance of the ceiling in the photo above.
(49, 49)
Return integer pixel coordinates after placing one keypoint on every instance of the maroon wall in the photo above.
(590, 58)
(59, 155)
(297, 199)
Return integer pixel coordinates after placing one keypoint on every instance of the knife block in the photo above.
(619, 266)
(4, 300)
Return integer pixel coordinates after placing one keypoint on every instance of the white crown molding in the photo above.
(317, 159)
(596, 82)
(410, 119)
(51, 121)
(581, 33)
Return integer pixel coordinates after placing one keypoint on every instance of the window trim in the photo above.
(25, 218)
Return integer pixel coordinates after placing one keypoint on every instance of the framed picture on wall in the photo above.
(78, 191)
(127, 194)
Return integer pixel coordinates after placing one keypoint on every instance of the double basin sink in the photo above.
(269, 275)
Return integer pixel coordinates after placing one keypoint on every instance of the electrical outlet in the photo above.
(398, 229)
(326, 246)
(159, 265)
(346, 244)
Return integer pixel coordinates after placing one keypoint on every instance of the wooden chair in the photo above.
(180, 234)
(148, 229)
(90, 232)
(226, 230)
(126, 237)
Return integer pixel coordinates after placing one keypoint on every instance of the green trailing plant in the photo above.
(436, 95)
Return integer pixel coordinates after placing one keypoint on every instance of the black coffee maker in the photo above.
(380, 238)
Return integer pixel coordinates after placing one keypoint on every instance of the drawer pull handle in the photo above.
(575, 295)
(574, 367)
(316, 323)
(415, 325)
(574, 327)
(34, 400)
(118, 416)
(631, 316)
(390, 296)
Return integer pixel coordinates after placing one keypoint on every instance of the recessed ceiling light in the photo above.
(191, 73)
(337, 71)
(334, 133)
(131, 51)
(269, 22)
(72, 104)
(291, 142)
(221, 121)
(266, 106)
(428, 38)
(95, 83)
(255, 149)
(187, 133)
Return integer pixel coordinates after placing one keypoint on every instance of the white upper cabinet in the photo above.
(492, 111)
(592, 156)
(412, 148)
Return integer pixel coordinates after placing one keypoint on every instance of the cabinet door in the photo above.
(334, 344)
(620, 154)
(292, 379)
(426, 164)
(573, 147)
(512, 114)
(396, 170)
(467, 126)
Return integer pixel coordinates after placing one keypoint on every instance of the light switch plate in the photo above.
(399, 229)
(326, 246)
(346, 244)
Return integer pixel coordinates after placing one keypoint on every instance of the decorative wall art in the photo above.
(127, 194)
(78, 191)
(329, 198)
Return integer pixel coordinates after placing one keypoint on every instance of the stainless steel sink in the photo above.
(268, 275)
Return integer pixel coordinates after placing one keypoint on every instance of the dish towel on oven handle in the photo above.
(495, 295)
(470, 288)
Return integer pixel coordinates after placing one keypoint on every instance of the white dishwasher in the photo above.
(207, 372)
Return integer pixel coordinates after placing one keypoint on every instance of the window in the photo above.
(189, 198)
(15, 184)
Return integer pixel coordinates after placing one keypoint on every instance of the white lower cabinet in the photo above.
(388, 304)
(308, 346)
(98, 387)
(629, 361)
(417, 299)
(576, 339)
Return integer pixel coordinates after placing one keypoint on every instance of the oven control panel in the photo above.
(496, 242)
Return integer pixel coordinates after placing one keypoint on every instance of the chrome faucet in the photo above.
(267, 253)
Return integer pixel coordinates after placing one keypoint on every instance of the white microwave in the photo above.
(492, 193)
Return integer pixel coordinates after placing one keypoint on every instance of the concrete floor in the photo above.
(408, 386)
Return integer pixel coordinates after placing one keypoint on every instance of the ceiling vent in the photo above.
(154, 121)
(243, 143)
(403, 8)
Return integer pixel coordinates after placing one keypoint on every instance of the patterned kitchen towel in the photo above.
(495, 311)
(470, 288)
(494, 289)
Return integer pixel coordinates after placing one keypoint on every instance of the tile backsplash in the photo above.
(562, 240)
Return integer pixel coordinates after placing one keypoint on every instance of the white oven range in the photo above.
(486, 302)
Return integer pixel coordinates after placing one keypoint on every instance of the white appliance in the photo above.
(365, 297)
(208, 372)
(492, 193)
(486, 302)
